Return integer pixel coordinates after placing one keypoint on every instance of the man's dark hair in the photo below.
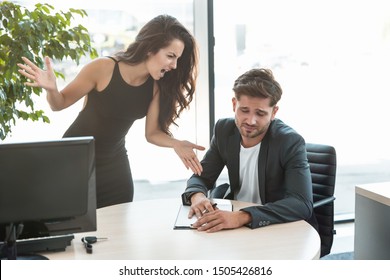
(258, 82)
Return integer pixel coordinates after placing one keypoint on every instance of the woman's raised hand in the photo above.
(45, 79)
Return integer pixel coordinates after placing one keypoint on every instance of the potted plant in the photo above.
(34, 34)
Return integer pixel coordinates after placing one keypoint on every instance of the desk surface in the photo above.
(379, 192)
(143, 230)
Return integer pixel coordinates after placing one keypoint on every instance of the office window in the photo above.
(332, 59)
(112, 27)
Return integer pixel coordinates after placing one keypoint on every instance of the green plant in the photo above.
(34, 34)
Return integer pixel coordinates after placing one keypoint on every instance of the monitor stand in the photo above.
(9, 252)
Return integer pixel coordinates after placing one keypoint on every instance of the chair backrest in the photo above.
(322, 161)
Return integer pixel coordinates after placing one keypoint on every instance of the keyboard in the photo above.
(43, 244)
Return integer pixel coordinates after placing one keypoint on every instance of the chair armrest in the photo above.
(323, 201)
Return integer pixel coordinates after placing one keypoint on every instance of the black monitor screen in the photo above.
(50, 184)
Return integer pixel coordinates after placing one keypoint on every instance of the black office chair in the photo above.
(322, 161)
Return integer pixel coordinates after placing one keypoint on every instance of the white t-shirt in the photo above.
(249, 179)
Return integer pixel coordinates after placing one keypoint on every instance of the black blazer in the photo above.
(284, 174)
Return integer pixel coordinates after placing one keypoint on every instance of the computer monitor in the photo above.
(48, 188)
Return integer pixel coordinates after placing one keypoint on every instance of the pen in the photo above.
(206, 211)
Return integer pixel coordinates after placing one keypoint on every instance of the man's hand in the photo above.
(218, 220)
(200, 205)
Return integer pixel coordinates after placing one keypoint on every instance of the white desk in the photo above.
(372, 222)
(143, 230)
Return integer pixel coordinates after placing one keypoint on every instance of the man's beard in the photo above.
(254, 133)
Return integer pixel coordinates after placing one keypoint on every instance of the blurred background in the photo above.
(331, 58)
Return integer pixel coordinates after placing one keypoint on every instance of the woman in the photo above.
(155, 77)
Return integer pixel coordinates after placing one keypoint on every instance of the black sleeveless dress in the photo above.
(108, 116)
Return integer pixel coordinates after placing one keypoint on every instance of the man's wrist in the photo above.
(196, 195)
(245, 218)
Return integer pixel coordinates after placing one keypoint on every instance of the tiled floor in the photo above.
(343, 240)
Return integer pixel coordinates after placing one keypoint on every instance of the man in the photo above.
(266, 161)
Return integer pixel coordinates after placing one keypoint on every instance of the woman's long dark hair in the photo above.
(177, 87)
